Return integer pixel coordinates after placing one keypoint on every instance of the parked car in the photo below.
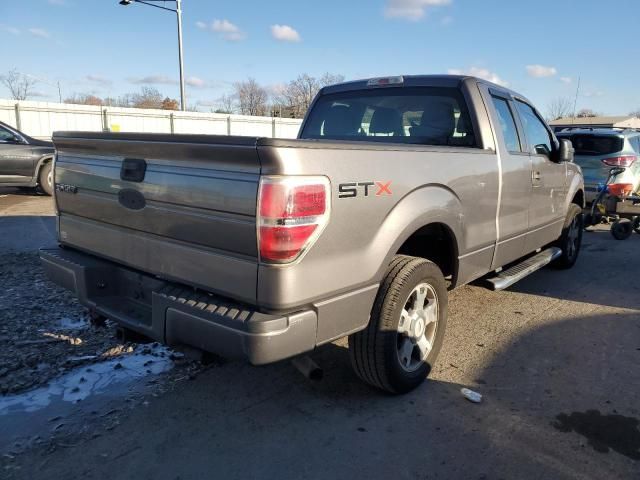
(397, 190)
(25, 161)
(598, 150)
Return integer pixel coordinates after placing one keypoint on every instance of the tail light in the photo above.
(620, 189)
(292, 212)
(622, 161)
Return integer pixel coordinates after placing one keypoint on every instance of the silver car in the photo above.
(597, 150)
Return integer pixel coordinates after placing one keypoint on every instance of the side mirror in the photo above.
(565, 151)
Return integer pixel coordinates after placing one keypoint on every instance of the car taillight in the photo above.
(292, 212)
(622, 161)
(620, 189)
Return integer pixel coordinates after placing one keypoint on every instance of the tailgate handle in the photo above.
(133, 169)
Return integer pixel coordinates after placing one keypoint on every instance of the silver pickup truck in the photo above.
(397, 190)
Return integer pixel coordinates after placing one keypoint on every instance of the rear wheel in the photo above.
(622, 229)
(399, 346)
(636, 224)
(571, 238)
(45, 178)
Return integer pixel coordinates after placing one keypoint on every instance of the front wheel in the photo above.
(571, 238)
(399, 346)
(45, 178)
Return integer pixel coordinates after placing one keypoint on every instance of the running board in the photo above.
(508, 277)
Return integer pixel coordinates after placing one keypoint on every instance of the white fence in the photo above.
(41, 119)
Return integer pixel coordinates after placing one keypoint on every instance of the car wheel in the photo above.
(398, 348)
(636, 224)
(571, 238)
(45, 178)
(622, 229)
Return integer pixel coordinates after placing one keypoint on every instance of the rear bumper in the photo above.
(175, 314)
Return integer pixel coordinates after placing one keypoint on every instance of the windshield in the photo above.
(416, 115)
(595, 144)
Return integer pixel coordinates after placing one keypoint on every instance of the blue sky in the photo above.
(538, 48)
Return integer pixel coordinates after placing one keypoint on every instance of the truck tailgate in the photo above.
(190, 217)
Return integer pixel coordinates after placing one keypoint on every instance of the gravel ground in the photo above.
(57, 336)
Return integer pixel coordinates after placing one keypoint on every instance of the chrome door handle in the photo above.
(535, 176)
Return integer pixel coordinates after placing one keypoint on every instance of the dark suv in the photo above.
(24, 161)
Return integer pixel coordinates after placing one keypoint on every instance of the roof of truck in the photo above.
(451, 81)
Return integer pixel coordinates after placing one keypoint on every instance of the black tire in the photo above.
(570, 239)
(636, 224)
(45, 179)
(622, 229)
(374, 350)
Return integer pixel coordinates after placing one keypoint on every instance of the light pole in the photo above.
(178, 12)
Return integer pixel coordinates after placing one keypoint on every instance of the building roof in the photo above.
(626, 121)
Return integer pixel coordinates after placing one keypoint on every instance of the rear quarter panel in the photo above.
(457, 187)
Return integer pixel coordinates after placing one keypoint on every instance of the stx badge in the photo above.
(355, 189)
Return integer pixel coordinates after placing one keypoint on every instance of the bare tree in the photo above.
(20, 85)
(226, 104)
(559, 108)
(585, 113)
(252, 98)
(84, 99)
(298, 94)
(635, 113)
(149, 97)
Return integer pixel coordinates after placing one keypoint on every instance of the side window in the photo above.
(507, 124)
(537, 134)
(6, 136)
(636, 144)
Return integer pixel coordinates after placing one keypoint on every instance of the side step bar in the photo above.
(508, 277)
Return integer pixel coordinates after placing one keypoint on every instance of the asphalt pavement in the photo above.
(555, 358)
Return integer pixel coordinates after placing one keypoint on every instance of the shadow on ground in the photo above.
(604, 274)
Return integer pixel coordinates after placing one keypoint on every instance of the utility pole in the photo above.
(575, 102)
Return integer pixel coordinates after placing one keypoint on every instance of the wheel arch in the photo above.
(428, 223)
(41, 163)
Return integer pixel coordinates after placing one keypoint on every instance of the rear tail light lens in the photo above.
(292, 212)
(623, 161)
(620, 189)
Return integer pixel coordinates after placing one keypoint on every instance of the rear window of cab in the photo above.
(410, 115)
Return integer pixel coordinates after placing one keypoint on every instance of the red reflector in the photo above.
(280, 200)
(624, 161)
(620, 189)
(284, 243)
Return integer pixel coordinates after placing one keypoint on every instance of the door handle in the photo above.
(535, 175)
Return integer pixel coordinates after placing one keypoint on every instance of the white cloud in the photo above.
(39, 32)
(98, 79)
(411, 9)
(195, 82)
(227, 30)
(566, 80)
(541, 71)
(480, 73)
(153, 80)
(11, 30)
(285, 33)
(593, 93)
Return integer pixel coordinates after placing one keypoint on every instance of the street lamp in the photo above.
(178, 12)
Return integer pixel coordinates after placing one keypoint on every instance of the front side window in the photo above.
(537, 134)
(411, 115)
(507, 124)
(6, 136)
